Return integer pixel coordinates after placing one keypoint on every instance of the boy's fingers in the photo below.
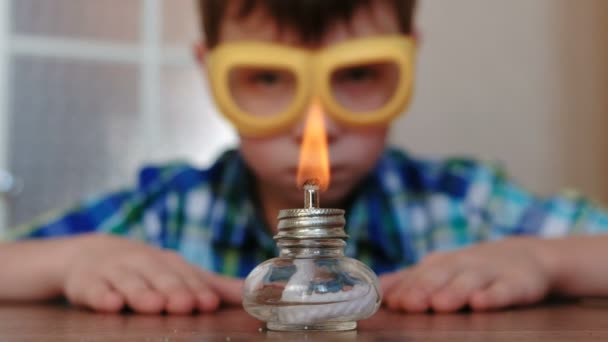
(105, 299)
(403, 297)
(185, 279)
(158, 274)
(455, 295)
(414, 293)
(434, 279)
(179, 297)
(498, 295)
(411, 300)
(395, 288)
(206, 299)
(135, 289)
(181, 301)
(507, 292)
(96, 294)
(390, 280)
(230, 290)
(165, 277)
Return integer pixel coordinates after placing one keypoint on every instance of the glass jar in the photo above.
(311, 285)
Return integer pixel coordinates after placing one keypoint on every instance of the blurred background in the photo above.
(90, 90)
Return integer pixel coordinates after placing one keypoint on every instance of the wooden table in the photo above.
(550, 322)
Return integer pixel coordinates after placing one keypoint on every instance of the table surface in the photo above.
(551, 322)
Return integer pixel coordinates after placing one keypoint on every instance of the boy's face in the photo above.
(353, 151)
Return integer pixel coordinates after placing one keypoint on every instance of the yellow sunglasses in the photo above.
(265, 88)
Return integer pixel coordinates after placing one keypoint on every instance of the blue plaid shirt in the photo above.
(403, 210)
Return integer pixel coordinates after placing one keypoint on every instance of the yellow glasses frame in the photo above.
(312, 71)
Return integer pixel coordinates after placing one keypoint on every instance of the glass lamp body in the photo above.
(311, 285)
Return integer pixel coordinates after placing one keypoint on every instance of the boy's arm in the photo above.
(35, 255)
(578, 229)
(494, 275)
(34, 270)
(520, 265)
(512, 210)
(105, 272)
(95, 215)
(578, 264)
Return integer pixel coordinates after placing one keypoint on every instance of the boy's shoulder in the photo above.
(454, 176)
(180, 176)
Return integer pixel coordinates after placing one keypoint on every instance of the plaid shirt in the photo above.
(403, 210)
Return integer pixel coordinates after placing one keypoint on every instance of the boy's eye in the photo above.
(365, 87)
(358, 74)
(266, 77)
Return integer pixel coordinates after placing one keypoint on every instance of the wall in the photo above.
(523, 82)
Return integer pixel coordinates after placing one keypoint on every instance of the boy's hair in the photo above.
(308, 18)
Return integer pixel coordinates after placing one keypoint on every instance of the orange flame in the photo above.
(314, 155)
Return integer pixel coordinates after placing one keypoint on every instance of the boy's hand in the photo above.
(109, 273)
(515, 271)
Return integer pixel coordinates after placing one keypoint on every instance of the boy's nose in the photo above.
(332, 128)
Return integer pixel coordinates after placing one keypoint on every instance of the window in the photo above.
(91, 91)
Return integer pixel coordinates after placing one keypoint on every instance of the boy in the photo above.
(403, 214)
